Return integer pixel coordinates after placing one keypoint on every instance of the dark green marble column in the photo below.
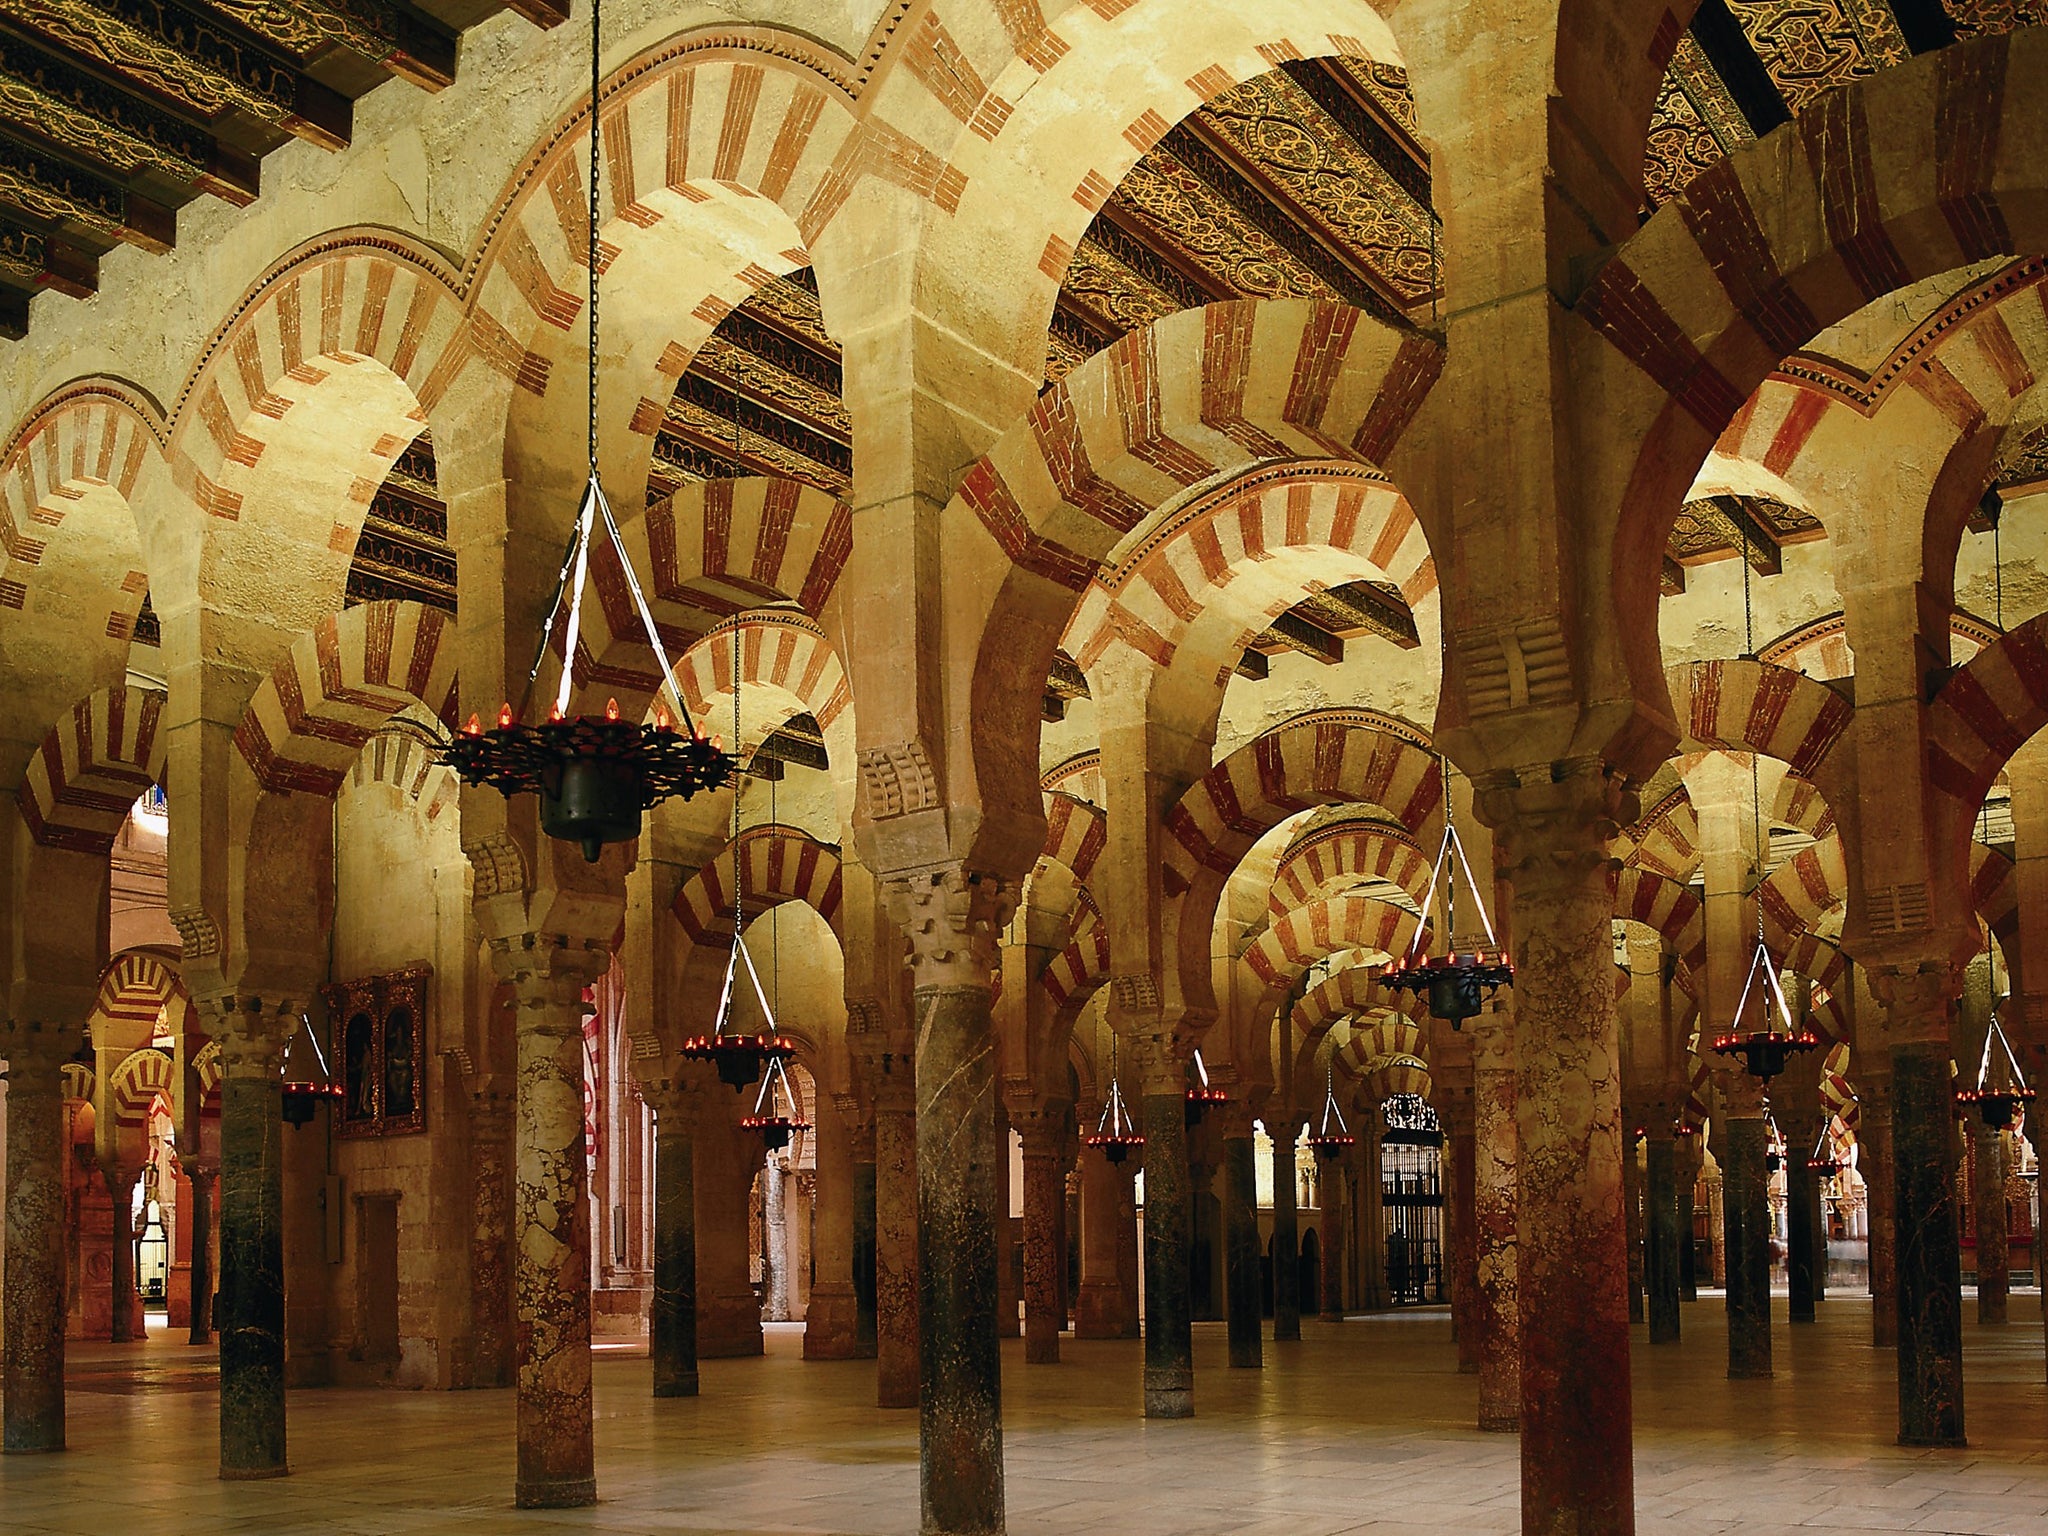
(960, 1419)
(252, 1412)
(864, 1260)
(1286, 1234)
(1928, 1258)
(32, 1377)
(1688, 1246)
(1665, 1230)
(1169, 1302)
(672, 1324)
(201, 1180)
(1241, 1247)
(1746, 1208)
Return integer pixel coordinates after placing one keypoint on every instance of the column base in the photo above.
(1098, 1312)
(565, 1493)
(830, 1325)
(1041, 1348)
(1749, 1373)
(252, 1474)
(1169, 1395)
(1942, 1442)
(35, 1450)
(1501, 1423)
(682, 1384)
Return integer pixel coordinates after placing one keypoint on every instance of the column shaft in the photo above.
(1099, 1307)
(125, 1302)
(1994, 1257)
(1169, 1314)
(493, 1349)
(1802, 1228)
(896, 1253)
(1286, 1237)
(1241, 1251)
(32, 1377)
(864, 1260)
(1746, 1207)
(1929, 1256)
(1335, 1192)
(1044, 1211)
(252, 1412)
(960, 1420)
(672, 1324)
(1493, 1225)
(201, 1180)
(1666, 1231)
(831, 1327)
(1688, 1242)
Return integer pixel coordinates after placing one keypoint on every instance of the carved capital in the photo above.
(548, 973)
(36, 1050)
(954, 918)
(1919, 1000)
(1554, 826)
(250, 1030)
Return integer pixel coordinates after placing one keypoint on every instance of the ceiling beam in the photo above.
(1744, 530)
(1728, 49)
(45, 187)
(392, 36)
(198, 63)
(545, 14)
(1252, 664)
(1926, 24)
(1674, 578)
(31, 259)
(1362, 608)
(89, 116)
(1290, 631)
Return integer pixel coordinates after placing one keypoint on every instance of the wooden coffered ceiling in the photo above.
(116, 113)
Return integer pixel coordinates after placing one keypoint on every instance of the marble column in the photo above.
(726, 1161)
(775, 1224)
(252, 1406)
(493, 1347)
(1552, 840)
(831, 1323)
(1460, 1248)
(201, 1181)
(551, 1219)
(1874, 1164)
(1286, 1232)
(1994, 1260)
(1331, 1291)
(1044, 1133)
(952, 921)
(1632, 1217)
(1128, 1260)
(1746, 1218)
(1009, 1293)
(1098, 1307)
(33, 1299)
(672, 1316)
(1169, 1235)
(1494, 1220)
(1805, 1250)
(1241, 1240)
(864, 1330)
(1918, 1003)
(1688, 1157)
(124, 1302)
(896, 1238)
(1665, 1228)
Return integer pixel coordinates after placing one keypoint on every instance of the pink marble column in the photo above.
(1552, 840)
(551, 1219)
(1098, 1309)
(1043, 1131)
(725, 1162)
(1494, 1220)
(492, 1349)
(33, 1300)
(125, 1304)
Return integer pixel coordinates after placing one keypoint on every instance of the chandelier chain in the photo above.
(591, 253)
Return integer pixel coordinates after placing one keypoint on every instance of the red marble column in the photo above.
(896, 1322)
(831, 1322)
(1044, 1134)
(1333, 1292)
(1494, 1220)
(1127, 1257)
(1098, 1308)
(33, 1299)
(551, 1219)
(1994, 1259)
(1552, 843)
(1241, 1239)
(725, 1162)
(125, 1304)
(492, 1349)
(1285, 1130)
(200, 1179)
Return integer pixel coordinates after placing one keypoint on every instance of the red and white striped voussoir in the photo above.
(780, 540)
(1159, 588)
(1325, 757)
(1642, 895)
(778, 864)
(90, 769)
(338, 684)
(1752, 706)
(1381, 1035)
(1344, 855)
(206, 1069)
(1071, 977)
(1994, 890)
(1075, 833)
(1804, 889)
(134, 1086)
(1291, 944)
(1192, 396)
(1355, 989)
(786, 650)
(134, 988)
(1985, 712)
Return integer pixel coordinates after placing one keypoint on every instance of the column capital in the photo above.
(954, 918)
(548, 973)
(1554, 824)
(1919, 999)
(250, 1029)
(33, 1045)
(1040, 1125)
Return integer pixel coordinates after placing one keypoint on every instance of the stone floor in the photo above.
(1360, 1428)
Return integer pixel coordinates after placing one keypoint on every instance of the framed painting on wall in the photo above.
(379, 1032)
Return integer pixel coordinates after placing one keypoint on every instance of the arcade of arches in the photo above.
(1144, 468)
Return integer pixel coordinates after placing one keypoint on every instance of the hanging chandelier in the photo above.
(1764, 1052)
(1822, 1160)
(1331, 1137)
(739, 1057)
(1456, 985)
(768, 1117)
(1774, 1144)
(1202, 1094)
(596, 775)
(307, 1081)
(1115, 1133)
(1996, 1102)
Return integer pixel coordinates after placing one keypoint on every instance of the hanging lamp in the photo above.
(1331, 1136)
(1764, 1052)
(1115, 1133)
(1456, 985)
(596, 775)
(1774, 1144)
(1822, 1159)
(740, 1057)
(1996, 1102)
(768, 1117)
(1202, 1094)
(307, 1081)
